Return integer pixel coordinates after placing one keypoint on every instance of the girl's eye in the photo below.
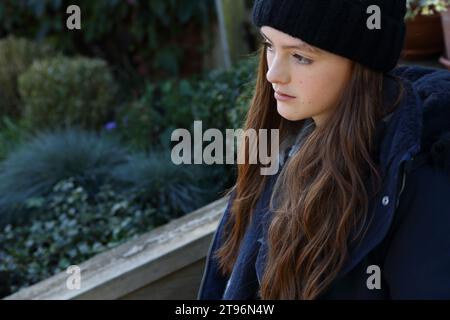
(267, 45)
(302, 59)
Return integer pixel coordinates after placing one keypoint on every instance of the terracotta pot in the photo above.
(424, 38)
(445, 17)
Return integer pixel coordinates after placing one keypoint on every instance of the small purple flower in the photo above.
(110, 126)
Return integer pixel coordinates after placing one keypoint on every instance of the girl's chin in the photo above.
(288, 113)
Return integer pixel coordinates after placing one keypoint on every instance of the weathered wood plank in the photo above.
(181, 285)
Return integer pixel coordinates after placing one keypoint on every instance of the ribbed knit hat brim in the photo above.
(340, 27)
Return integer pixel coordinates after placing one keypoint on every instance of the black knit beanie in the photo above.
(340, 27)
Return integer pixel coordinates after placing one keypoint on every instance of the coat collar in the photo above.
(404, 129)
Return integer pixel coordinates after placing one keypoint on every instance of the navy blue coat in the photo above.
(409, 235)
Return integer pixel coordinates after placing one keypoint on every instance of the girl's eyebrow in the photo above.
(302, 45)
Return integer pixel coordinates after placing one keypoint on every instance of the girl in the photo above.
(360, 208)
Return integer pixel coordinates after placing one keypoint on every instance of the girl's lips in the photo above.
(283, 97)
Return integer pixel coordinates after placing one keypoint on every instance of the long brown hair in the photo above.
(323, 193)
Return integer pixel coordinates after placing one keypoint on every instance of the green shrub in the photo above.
(148, 38)
(62, 92)
(16, 55)
(34, 167)
(211, 99)
(70, 226)
(236, 115)
(219, 99)
(138, 123)
(222, 97)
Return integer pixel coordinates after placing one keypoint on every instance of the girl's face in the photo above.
(307, 84)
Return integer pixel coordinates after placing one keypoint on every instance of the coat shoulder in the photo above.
(433, 89)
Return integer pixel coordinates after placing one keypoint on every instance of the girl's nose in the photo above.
(278, 71)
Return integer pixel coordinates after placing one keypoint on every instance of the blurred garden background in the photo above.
(86, 117)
